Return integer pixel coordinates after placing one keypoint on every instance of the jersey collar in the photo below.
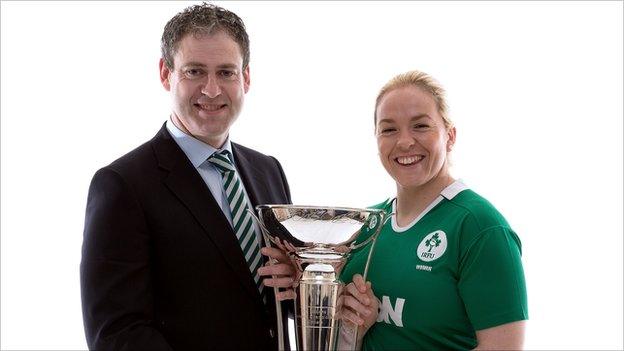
(455, 188)
(447, 193)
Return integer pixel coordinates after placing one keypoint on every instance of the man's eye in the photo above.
(226, 74)
(420, 126)
(193, 72)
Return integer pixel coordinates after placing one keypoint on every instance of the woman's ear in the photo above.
(451, 139)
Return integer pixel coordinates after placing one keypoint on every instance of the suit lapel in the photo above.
(188, 186)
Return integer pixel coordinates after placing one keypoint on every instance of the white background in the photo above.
(535, 90)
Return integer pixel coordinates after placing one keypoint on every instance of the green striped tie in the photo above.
(241, 219)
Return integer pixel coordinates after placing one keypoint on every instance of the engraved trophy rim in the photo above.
(313, 207)
(318, 246)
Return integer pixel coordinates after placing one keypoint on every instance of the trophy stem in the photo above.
(318, 302)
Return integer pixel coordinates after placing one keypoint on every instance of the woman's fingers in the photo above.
(359, 304)
(356, 306)
(362, 297)
(352, 317)
(359, 282)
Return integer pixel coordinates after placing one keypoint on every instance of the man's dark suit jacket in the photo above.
(161, 266)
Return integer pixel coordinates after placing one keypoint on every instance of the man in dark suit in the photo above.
(170, 255)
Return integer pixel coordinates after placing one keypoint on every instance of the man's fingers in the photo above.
(286, 295)
(286, 282)
(290, 247)
(276, 269)
(275, 254)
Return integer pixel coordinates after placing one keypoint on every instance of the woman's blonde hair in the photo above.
(423, 81)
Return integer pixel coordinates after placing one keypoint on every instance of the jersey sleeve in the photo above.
(491, 279)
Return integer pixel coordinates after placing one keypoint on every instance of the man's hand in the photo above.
(279, 272)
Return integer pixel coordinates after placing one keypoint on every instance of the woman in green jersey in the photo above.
(446, 272)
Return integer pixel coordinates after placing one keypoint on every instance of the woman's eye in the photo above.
(386, 130)
(420, 126)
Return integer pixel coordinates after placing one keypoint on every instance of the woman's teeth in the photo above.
(408, 160)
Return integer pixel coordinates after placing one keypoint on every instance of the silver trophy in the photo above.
(319, 240)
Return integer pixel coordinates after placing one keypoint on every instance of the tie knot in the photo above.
(221, 160)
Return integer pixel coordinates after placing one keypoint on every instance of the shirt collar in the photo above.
(448, 193)
(196, 150)
(455, 188)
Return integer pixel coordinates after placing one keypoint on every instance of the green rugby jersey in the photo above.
(455, 269)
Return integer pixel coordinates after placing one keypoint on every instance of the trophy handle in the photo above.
(258, 221)
(278, 305)
(373, 237)
(384, 218)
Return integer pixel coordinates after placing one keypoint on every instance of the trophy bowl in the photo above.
(318, 240)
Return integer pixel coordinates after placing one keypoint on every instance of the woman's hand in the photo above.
(359, 305)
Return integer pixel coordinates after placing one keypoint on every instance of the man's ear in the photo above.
(451, 139)
(164, 74)
(246, 79)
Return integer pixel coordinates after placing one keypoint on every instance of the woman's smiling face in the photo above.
(412, 139)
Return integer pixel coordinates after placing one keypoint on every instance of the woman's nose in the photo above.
(405, 140)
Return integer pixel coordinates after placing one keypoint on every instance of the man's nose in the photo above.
(211, 88)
